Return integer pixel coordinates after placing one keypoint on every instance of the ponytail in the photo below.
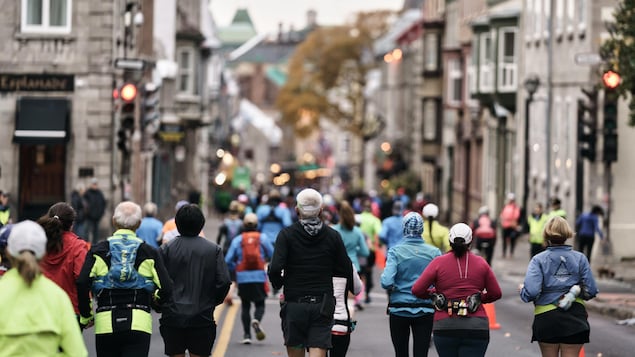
(54, 228)
(430, 228)
(27, 266)
(459, 247)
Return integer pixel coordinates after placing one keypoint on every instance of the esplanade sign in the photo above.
(41, 82)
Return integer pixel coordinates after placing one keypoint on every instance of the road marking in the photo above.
(222, 342)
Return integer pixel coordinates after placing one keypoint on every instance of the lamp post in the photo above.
(531, 85)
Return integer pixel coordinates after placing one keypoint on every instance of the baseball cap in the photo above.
(511, 196)
(483, 210)
(250, 218)
(309, 202)
(412, 225)
(27, 235)
(430, 210)
(461, 230)
(180, 204)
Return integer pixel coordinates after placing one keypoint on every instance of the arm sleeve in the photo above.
(162, 278)
(596, 223)
(388, 276)
(343, 266)
(491, 285)
(78, 260)
(266, 246)
(223, 280)
(71, 340)
(278, 261)
(425, 280)
(222, 231)
(84, 283)
(532, 287)
(230, 258)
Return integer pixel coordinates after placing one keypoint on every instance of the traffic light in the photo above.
(150, 109)
(128, 94)
(611, 81)
(587, 124)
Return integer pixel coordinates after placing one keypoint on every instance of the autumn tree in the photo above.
(619, 51)
(327, 72)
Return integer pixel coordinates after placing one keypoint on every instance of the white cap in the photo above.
(309, 202)
(483, 210)
(511, 196)
(430, 210)
(461, 230)
(27, 235)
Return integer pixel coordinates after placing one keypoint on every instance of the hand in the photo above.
(520, 287)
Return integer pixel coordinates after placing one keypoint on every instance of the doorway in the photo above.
(42, 179)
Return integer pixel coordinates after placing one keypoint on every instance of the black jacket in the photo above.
(201, 281)
(309, 262)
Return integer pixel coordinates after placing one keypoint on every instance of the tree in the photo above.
(618, 52)
(327, 75)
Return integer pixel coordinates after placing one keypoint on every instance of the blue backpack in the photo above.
(122, 273)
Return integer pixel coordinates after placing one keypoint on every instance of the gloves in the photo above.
(473, 302)
(439, 301)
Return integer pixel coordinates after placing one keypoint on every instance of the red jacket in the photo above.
(64, 266)
(458, 279)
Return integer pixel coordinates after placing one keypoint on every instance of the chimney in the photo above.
(311, 19)
(280, 32)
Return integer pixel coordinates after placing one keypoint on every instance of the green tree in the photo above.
(326, 74)
(619, 51)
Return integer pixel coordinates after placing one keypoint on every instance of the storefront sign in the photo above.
(42, 82)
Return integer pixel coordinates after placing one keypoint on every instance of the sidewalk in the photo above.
(617, 294)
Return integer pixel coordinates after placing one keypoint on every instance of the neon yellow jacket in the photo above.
(440, 235)
(536, 226)
(370, 226)
(37, 320)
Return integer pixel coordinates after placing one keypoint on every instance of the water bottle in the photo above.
(567, 299)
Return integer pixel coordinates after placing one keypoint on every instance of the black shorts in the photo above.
(303, 326)
(560, 326)
(197, 340)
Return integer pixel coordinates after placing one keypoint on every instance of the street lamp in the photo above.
(531, 85)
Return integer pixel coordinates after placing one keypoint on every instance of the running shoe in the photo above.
(260, 334)
(246, 340)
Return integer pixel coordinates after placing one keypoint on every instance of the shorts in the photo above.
(303, 325)
(197, 340)
(560, 326)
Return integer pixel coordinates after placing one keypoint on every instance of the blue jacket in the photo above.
(272, 228)
(553, 272)
(355, 243)
(587, 224)
(406, 261)
(235, 256)
(391, 231)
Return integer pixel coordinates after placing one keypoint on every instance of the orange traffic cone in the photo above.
(581, 352)
(490, 310)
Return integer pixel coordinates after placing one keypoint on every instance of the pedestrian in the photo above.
(201, 281)
(406, 261)
(435, 233)
(556, 208)
(509, 221)
(586, 226)
(150, 228)
(231, 227)
(536, 222)
(124, 289)
(310, 254)
(79, 204)
(37, 315)
(343, 318)
(65, 251)
(558, 281)
(462, 282)
(4, 257)
(246, 258)
(391, 230)
(169, 230)
(370, 226)
(5, 209)
(484, 230)
(273, 216)
(96, 203)
(354, 240)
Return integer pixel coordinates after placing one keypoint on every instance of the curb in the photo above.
(617, 312)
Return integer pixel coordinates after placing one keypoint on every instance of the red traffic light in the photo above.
(128, 92)
(611, 79)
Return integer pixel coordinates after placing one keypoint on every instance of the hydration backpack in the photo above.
(484, 229)
(252, 259)
(122, 273)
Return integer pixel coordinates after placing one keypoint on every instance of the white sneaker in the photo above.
(260, 334)
(246, 341)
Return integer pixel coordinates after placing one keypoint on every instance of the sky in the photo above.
(266, 14)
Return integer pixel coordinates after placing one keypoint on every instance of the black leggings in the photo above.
(585, 245)
(123, 344)
(246, 313)
(421, 333)
(340, 345)
(509, 239)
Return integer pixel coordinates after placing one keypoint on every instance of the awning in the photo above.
(41, 120)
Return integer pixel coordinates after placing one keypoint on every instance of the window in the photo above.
(485, 69)
(582, 14)
(186, 61)
(507, 64)
(431, 52)
(529, 19)
(570, 15)
(455, 81)
(537, 18)
(547, 13)
(46, 16)
(559, 24)
(429, 120)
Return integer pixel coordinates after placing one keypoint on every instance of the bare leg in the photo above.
(317, 352)
(549, 349)
(570, 350)
(295, 352)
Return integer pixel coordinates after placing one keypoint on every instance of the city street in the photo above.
(372, 336)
